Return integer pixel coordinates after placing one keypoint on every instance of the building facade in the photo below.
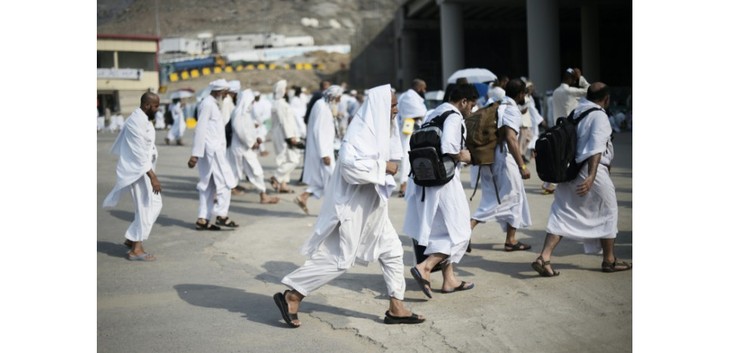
(126, 67)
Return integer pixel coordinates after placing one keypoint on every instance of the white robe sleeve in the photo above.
(361, 170)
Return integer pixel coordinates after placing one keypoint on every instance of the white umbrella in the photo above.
(180, 94)
(473, 75)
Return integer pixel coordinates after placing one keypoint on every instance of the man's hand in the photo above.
(156, 186)
(524, 172)
(464, 156)
(326, 160)
(584, 187)
(391, 168)
(192, 162)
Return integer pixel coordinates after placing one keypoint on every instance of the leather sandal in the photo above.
(540, 268)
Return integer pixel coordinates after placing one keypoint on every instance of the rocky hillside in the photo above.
(338, 20)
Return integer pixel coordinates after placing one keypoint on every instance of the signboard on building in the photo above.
(119, 74)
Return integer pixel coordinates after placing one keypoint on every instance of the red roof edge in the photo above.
(128, 36)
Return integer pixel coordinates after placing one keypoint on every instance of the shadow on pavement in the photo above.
(112, 249)
(253, 306)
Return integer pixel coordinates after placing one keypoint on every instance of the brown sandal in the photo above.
(540, 268)
(615, 266)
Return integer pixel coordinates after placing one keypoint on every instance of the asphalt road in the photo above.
(212, 291)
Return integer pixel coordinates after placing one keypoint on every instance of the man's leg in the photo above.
(316, 272)
(551, 241)
(511, 243)
(391, 263)
(610, 262)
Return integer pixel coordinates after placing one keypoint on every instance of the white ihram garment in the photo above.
(593, 216)
(241, 155)
(565, 98)
(177, 130)
(353, 224)
(209, 145)
(283, 127)
(441, 221)
(512, 208)
(135, 146)
(410, 105)
(320, 144)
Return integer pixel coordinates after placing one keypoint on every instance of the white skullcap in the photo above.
(332, 92)
(234, 85)
(219, 85)
(256, 93)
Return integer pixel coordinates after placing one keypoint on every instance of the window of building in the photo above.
(137, 60)
(104, 59)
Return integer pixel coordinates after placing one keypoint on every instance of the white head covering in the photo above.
(279, 89)
(370, 130)
(371, 133)
(218, 85)
(332, 92)
(245, 99)
(234, 85)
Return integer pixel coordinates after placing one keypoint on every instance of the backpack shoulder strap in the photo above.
(581, 116)
(439, 120)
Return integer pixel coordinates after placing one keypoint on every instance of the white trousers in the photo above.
(214, 201)
(286, 162)
(253, 170)
(147, 207)
(321, 268)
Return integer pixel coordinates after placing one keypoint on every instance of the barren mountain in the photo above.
(338, 20)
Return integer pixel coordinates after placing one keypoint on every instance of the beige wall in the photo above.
(129, 90)
(126, 45)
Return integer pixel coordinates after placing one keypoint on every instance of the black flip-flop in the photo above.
(421, 282)
(461, 287)
(280, 300)
(413, 319)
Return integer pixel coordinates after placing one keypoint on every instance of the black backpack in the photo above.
(555, 150)
(430, 167)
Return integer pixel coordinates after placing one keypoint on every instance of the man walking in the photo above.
(135, 146)
(209, 153)
(319, 154)
(503, 191)
(585, 209)
(354, 223)
(411, 110)
(437, 216)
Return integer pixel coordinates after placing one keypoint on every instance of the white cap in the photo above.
(234, 85)
(219, 85)
(256, 93)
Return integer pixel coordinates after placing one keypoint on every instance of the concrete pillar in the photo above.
(452, 38)
(590, 42)
(408, 52)
(543, 44)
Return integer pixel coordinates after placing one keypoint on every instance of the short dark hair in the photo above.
(147, 97)
(514, 87)
(595, 95)
(462, 91)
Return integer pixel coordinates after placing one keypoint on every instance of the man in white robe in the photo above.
(285, 139)
(354, 224)
(261, 112)
(299, 106)
(209, 153)
(564, 99)
(411, 110)
(535, 119)
(585, 209)
(503, 192)
(319, 154)
(437, 217)
(178, 123)
(135, 146)
(242, 153)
